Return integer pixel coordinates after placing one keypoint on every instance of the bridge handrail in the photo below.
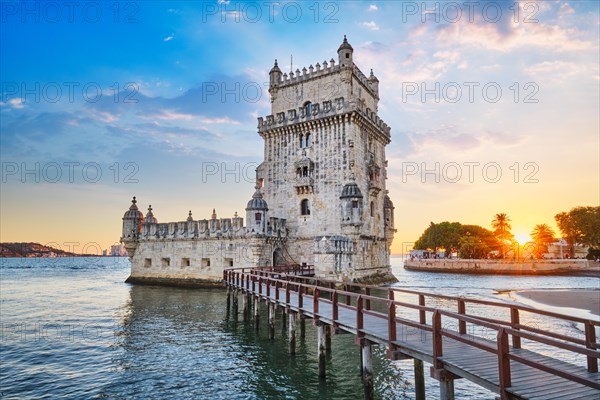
(462, 317)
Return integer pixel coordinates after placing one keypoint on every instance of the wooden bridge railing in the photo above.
(362, 300)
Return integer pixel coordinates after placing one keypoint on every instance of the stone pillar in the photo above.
(234, 310)
(328, 339)
(367, 369)
(271, 320)
(292, 332)
(321, 334)
(245, 306)
(419, 380)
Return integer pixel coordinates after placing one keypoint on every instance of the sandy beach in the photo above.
(582, 299)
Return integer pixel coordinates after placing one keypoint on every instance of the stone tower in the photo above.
(324, 167)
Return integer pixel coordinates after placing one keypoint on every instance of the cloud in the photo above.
(373, 7)
(169, 38)
(16, 104)
(372, 25)
(565, 9)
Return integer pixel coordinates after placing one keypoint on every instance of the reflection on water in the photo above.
(71, 328)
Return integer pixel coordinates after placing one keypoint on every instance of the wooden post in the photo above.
(271, 320)
(359, 317)
(245, 305)
(419, 380)
(422, 319)
(302, 325)
(514, 323)
(292, 332)
(328, 338)
(367, 369)
(367, 301)
(257, 312)
(503, 363)
(234, 310)
(590, 341)
(321, 333)
(436, 323)
(228, 297)
(283, 316)
(446, 389)
(462, 325)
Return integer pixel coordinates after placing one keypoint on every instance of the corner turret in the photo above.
(345, 52)
(374, 84)
(274, 75)
(132, 226)
(256, 213)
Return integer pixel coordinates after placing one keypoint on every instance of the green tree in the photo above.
(442, 235)
(580, 225)
(502, 227)
(472, 247)
(542, 236)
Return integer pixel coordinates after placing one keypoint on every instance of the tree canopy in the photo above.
(580, 225)
(471, 241)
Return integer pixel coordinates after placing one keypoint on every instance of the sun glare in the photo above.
(522, 238)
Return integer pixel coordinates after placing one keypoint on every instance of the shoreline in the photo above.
(506, 267)
(581, 299)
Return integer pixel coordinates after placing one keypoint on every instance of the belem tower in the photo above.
(320, 197)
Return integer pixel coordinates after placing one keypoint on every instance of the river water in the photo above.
(71, 328)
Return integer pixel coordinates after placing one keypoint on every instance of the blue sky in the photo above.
(173, 89)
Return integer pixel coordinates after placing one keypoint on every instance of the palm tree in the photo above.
(502, 227)
(542, 236)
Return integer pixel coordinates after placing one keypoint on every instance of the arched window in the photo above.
(308, 138)
(299, 172)
(354, 203)
(304, 207)
(258, 217)
(301, 141)
(308, 108)
(372, 209)
(305, 171)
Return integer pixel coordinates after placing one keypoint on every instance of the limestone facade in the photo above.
(320, 196)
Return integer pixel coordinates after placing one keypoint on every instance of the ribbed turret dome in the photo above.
(351, 190)
(275, 68)
(133, 212)
(257, 202)
(345, 45)
(150, 219)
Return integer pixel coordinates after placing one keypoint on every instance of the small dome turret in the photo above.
(133, 212)
(257, 202)
(150, 219)
(345, 54)
(351, 190)
(190, 218)
(274, 75)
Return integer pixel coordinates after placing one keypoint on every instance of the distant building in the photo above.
(560, 250)
(118, 250)
(320, 196)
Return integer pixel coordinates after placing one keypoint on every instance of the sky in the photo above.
(493, 107)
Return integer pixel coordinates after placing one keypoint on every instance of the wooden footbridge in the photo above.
(458, 344)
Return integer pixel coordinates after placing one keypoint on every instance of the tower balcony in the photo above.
(304, 185)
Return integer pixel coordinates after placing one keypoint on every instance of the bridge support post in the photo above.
(419, 380)
(446, 389)
(245, 306)
(292, 332)
(271, 320)
(321, 333)
(302, 318)
(283, 324)
(367, 368)
(256, 312)
(234, 310)
(328, 339)
(228, 297)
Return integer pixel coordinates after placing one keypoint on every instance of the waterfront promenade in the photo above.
(493, 353)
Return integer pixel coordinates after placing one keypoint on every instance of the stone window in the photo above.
(185, 262)
(166, 261)
(258, 217)
(308, 108)
(228, 262)
(304, 207)
(372, 209)
(354, 203)
(308, 139)
(205, 263)
(301, 141)
(148, 262)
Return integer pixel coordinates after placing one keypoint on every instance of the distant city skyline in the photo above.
(492, 108)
